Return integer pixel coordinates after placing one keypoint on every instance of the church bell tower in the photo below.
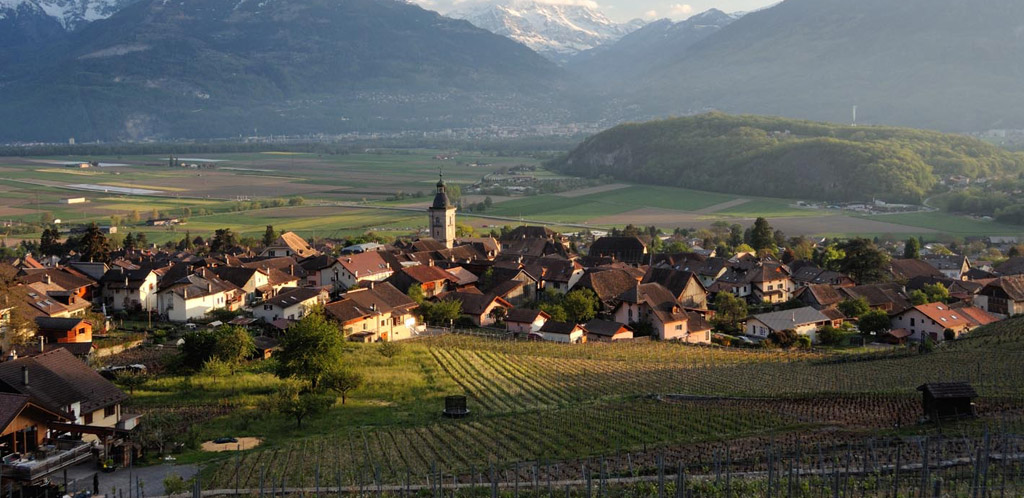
(442, 216)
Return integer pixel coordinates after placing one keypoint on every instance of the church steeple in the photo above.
(442, 215)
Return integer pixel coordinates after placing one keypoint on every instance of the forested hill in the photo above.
(755, 155)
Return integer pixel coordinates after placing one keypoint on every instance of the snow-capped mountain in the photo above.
(70, 14)
(555, 31)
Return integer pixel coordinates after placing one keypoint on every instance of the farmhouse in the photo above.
(482, 310)
(368, 266)
(1003, 296)
(684, 285)
(629, 250)
(377, 313)
(292, 304)
(952, 266)
(931, 321)
(431, 279)
(125, 290)
(196, 295)
(804, 321)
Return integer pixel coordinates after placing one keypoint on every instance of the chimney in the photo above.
(209, 287)
(47, 279)
(186, 294)
(42, 342)
(24, 376)
(291, 270)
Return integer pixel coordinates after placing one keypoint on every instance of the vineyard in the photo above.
(625, 414)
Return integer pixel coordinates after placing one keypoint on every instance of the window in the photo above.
(679, 327)
(88, 418)
(109, 411)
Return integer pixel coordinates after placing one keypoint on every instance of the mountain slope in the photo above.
(648, 47)
(553, 30)
(202, 68)
(777, 157)
(944, 64)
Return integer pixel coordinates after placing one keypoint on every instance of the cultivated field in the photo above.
(211, 198)
(554, 412)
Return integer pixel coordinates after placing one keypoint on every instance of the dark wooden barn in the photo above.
(948, 400)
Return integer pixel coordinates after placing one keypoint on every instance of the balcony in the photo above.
(32, 468)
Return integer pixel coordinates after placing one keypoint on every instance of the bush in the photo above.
(949, 335)
(175, 485)
(830, 336)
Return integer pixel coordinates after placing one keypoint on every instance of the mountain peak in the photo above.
(556, 31)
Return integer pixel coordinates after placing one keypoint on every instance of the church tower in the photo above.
(442, 216)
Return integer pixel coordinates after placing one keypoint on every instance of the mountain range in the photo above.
(557, 31)
(156, 69)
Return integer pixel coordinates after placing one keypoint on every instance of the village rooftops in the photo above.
(525, 315)
(364, 265)
(293, 297)
(58, 380)
(788, 319)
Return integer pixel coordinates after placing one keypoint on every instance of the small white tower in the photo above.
(442, 216)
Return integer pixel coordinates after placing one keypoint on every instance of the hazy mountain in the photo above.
(555, 31)
(944, 64)
(70, 14)
(199, 68)
(648, 47)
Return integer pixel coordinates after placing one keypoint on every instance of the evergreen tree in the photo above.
(93, 245)
(762, 236)
(269, 236)
(49, 242)
(912, 250)
(129, 242)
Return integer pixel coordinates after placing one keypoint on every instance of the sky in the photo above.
(624, 10)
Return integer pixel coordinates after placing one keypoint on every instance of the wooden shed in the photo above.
(948, 400)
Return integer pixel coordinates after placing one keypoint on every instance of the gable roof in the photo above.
(423, 274)
(1013, 286)
(675, 281)
(608, 284)
(783, 320)
(825, 295)
(605, 328)
(294, 297)
(63, 279)
(910, 268)
(295, 243)
(57, 379)
(946, 261)
(630, 249)
(57, 324)
(1012, 266)
(944, 316)
(879, 295)
(525, 315)
(473, 303)
(948, 390)
(364, 265)
(553, 327)
(362, 303)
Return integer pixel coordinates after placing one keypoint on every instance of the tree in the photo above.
(296, 201)
(729, 312)
(581, 305)
(269, 236)
(864, 262)
(134, 216)
(129, 242)
(783, 338)
(442, 312)
(223, 239)
(854, 308)
(233, 345)
(131, 381)
(186, 244)
(310, 349)
(93, 245)
(343, 381)
(874, 322)
(49, 242)
(299, 405)
(498, 314)
(912, 248)
(918, 297)
(762, 236)
(937, 293)
(830, 336)
(555, 311)
(389, 349)
(415, 293)
(830, 258)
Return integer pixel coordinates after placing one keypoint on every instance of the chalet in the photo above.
(931, 321)
(365, 267)
(1003, 296)
(26, 426)
(64, 383)
(483, 310)
(607, 331)
(756, 281)
(952, 266)
(804, 321)
(629, 250)
(291, 304)
(433, 280)
(523, 322)
(64, 330)
(684, 285)
(380, 312)
(127, 290)
(567, 333)
(196, 295)
(289, 244)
